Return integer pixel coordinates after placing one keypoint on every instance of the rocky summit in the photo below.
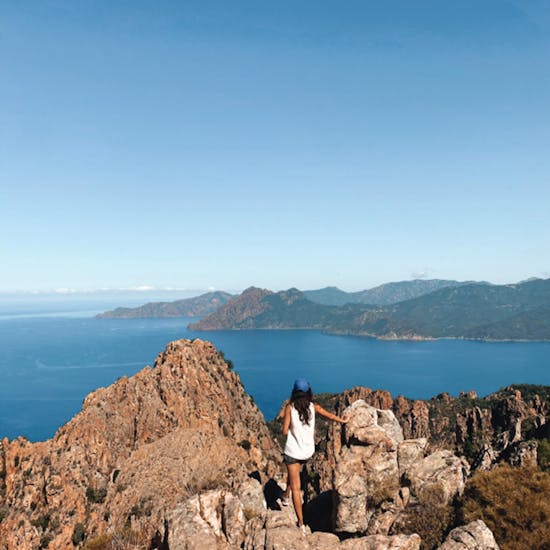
(135, 452)
(179, 457)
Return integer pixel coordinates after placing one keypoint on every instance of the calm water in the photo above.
(50, 361)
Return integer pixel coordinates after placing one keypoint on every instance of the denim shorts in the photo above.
(290, 460)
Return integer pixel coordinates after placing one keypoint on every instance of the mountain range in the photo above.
(388, 293)
(198, 306)
(474, 310)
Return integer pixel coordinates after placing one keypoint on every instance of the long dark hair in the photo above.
(301, 401)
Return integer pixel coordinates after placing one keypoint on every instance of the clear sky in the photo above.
(284, 143)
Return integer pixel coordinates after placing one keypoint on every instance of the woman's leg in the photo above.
(287, 490)
(294, 483)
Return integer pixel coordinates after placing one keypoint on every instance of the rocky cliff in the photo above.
(502, 427)
(136, 450)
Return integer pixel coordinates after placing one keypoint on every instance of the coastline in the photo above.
(388, 338)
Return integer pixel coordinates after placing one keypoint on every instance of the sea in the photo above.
(53, 353)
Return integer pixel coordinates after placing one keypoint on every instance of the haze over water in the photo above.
(51, 358)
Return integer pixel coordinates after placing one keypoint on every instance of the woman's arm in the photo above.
(330, 416)
(283, 409)
(286, 420)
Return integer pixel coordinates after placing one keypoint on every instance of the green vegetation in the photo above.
(41, 522)
(79, 534)
(45, 541)
(386, 294)
(197, 306)
(3, 513)
(476, 310)
(228, 362)
(96, 496)
(514, 504)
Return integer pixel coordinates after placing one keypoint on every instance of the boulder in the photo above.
(366, 471)
(523, 453)
(386, 420)
(410, 451)
(441, 469)
(363, 426)
(474, 536)
(252, 498)
(195, 524)
(381, 542)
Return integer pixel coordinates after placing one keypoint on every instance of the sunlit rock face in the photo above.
(137, 448)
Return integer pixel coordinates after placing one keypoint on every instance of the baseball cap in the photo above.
(301, 384)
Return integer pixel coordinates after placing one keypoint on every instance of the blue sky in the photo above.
(289, 143)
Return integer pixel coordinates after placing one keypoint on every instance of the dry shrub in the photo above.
(124, 539)
(515, 505)
(431, 517)
(101, 542)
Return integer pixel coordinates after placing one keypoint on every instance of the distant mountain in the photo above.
(260, 308)
(197, 306)
(388, 293)
(392, 293)
(331, 296)
(475, 310)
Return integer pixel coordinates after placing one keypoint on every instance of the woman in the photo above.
(299, 426)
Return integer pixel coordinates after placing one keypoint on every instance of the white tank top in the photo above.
(300, 441)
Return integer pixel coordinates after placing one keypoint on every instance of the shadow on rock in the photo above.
(318, 512)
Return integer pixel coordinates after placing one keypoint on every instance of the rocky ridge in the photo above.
(178, 456)
(503, 426)
(137, 448)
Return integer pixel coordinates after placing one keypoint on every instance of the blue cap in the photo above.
(301, 384)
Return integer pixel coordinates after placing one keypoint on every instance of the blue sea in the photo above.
(53, 354)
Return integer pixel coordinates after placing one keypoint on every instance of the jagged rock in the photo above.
(442, 469)
(386, 420)
(197, 523)
(233, 520)
(474, 536)
(252, 498)
(381, 522)
(523, 453)
(382, 542)
(137, 450)
(485, 459)
(255, 534)
(370, 426)
(403, 497)
(366, 472)
(410, 451)
(379, 399)
(352, 513)
(414, 418)
(474, 424)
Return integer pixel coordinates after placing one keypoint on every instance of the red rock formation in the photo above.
(136, 449)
